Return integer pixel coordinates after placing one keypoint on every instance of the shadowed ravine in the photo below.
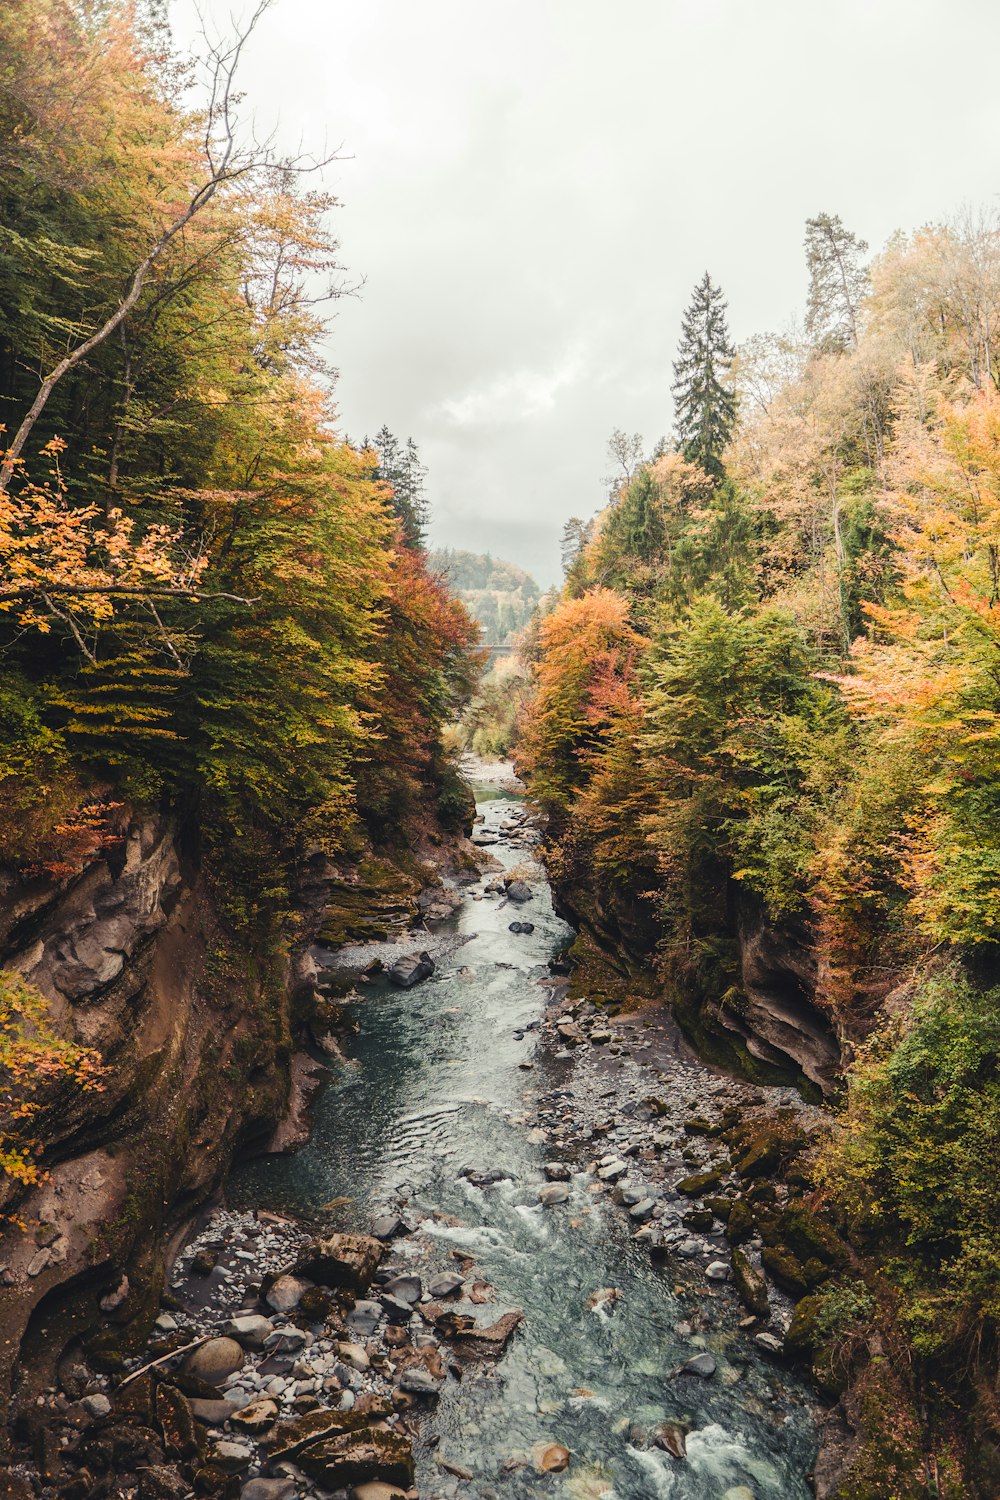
(434, 1085)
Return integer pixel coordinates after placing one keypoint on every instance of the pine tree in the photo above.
(705, 405)
(838, 281)
(400, 467)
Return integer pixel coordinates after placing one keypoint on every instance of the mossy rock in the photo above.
(699, 1183)
(762, 1192)
(721, 1207)
(740, 1224)
(805, 1233)
(751, 1287)
(802, 1337)
(769, 1149)
(786, 1269)
(700, 1126)
(698, 1219)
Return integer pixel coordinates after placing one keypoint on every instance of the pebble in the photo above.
(97, 1405)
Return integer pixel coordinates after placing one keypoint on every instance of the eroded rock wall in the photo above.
(195, 1042)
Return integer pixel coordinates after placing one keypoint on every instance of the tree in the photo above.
(838, 281)
(400, 468)
(705, 403)
(625, 452)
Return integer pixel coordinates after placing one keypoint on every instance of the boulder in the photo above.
(557, 1171)
(354, 1457)
(702, 1365)
(699, 1183)
(408, 1289)
(519, 891)
(672, 1438)
(268, 1489)
(348, 1260)
(257, 1417)
(751, 1286)
(285, 1294)
(552, 1193)
(410, 970)
(215, 1360)
(445, 1285)
(388, 1226)
(249, 1329)
(376, 1490)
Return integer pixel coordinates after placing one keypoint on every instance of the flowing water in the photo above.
(433, 1085)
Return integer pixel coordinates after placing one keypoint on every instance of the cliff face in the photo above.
(198, 1035)
(769, 1018)
(195, 1041)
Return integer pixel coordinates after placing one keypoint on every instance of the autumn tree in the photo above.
(838, 281)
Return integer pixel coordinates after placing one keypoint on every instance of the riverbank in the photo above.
(474, 1130)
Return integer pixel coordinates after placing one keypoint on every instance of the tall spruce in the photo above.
(399, 466)
(705, 405)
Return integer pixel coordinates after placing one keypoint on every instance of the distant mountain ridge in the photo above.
(499, 594)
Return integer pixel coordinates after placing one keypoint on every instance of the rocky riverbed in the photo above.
(514, 1259)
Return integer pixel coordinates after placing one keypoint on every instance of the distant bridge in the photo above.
(497, 648)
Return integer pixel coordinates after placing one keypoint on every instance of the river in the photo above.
(436, 1082)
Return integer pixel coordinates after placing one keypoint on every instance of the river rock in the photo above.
(554, 1192)
(702, 1365)
(672, 1438)
(404, 1288)
(410, 970)
(519, 891)
(388, 1226)
(375, 1490)
(419, 1382)
(550, 1458)
(769, 1343)
(717, 1270)
(268, 1489)
(445, 1285)
(285, 1339)
(96, 1406)
(285, 1294)
(215, 1360)
(364, 1317)
(354, 1457)
(557, 1171)
(256, 1417)
(348, 1260)
(232, 1456)
(613, 1170)
(212, 1413)
(751, 1285)
(355, 1356)
(249, 1329)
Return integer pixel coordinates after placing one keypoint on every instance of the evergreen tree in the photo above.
(399, 466)
(705, 405)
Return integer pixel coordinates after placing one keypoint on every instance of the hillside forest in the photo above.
(210, 602)
(759, 727)
(766, 719)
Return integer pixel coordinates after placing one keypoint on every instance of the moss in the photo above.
(786, 1269)
(809, 1237)
(721, 1207)
(751, 1288)
(740, 1224)
(699, 1183)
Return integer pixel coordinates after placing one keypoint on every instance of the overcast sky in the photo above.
(534, 186)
